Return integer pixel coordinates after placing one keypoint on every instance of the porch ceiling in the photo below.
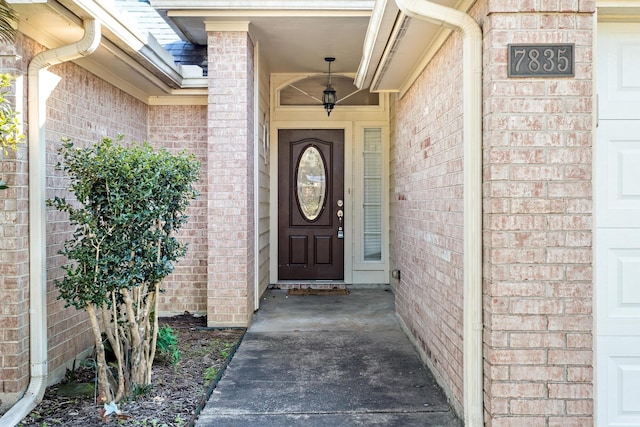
(372, 39)
(294, 36)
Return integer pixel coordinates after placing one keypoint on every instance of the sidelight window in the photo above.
(372, 194)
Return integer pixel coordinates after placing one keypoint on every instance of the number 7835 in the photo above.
(542, 60)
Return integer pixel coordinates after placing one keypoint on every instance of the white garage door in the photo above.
(617, 220)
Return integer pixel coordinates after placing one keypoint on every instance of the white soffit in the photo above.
(397, 48)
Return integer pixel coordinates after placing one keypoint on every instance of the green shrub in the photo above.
(167, 344)
(131, 201)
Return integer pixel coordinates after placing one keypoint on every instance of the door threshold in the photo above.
(309, 284)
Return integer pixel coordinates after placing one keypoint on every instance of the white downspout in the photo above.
(37, 215)
(472, 134)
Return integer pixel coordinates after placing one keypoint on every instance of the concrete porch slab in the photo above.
(327, 360)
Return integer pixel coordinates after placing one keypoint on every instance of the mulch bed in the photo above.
(178, 393)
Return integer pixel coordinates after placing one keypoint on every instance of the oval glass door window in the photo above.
(311, 182)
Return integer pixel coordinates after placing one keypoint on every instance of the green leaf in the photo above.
(133, 201)
(7, 18)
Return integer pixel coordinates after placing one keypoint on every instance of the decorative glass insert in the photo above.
(311, 183)
(372, 195)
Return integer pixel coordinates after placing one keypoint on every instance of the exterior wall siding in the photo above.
(426, 161)
(393, 205)
(264, 182)
(538, 221)
(231, 266)
(180, 128)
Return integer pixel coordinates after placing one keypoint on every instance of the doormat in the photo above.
(312, 291)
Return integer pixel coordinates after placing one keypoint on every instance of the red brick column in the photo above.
(230, 179)
(538, 221)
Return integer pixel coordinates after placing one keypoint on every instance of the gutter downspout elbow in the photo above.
(37, 216)
(472, 140)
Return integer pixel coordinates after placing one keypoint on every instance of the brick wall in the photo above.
(83, 108)
(177, 128)
(426, 212)
(537, 221)
(537, 218)
(231, 268)
(14, 255)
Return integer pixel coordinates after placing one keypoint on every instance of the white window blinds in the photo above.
(372, 195)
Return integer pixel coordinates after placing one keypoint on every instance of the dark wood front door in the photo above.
(310, 198)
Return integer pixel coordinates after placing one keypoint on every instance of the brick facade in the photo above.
(426, 206)
(231, 267)
(538, 222)
(83, 108)
(177, 128)
(537, 218)
(14, 256)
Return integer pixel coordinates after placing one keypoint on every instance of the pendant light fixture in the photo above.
(329, 94)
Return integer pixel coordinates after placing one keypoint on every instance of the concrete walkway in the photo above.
(330, 360)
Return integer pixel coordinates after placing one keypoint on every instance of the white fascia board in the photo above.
(143, 49)
(380, 27)
(382, 14)
(265, 13)
(241, 26)
(265, 4)
(194, 83)
(617, 3)
(618, 10)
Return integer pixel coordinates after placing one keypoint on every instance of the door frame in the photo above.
(347, 127)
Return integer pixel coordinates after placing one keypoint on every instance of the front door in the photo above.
(311, 204)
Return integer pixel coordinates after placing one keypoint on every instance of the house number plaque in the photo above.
(541, 60)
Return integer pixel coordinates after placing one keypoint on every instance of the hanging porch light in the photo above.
(329, 94)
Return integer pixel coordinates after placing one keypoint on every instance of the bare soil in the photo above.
(178, 393)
